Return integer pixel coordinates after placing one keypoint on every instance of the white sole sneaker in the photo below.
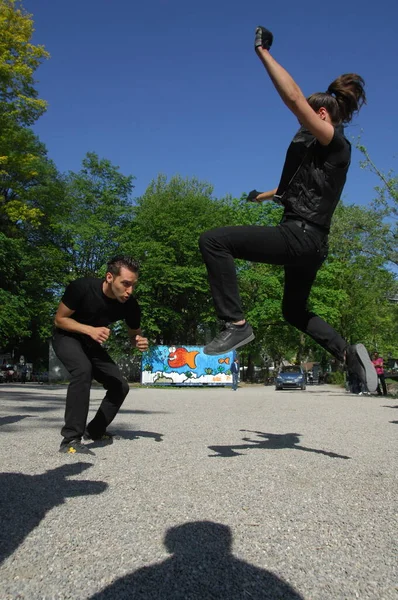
(370, 371)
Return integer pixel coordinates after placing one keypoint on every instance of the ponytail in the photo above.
(344, 97)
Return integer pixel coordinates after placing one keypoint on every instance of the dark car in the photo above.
(290, 377)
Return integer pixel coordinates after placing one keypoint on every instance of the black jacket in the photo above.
(235, 367)
(313, 177)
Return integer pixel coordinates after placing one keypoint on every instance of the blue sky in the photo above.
(167, 86)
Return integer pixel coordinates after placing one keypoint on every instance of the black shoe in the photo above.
(105, 437)
(358, 362)
(230, 337)
(74, 447)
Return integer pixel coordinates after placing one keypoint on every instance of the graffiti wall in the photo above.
(185, 365)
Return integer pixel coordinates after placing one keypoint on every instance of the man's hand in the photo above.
(99, 334)
(263, 39)
(141, 343)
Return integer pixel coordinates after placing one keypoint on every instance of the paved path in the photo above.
(209, 494)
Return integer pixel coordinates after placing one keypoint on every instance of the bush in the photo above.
(335, 378)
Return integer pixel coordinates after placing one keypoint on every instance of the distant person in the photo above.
(89, 305)
(235, 374)
(379, 366)
(24, 372)
(310, 187)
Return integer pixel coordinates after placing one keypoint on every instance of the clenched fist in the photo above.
(252, 196)
(141, 343)
(263, 38)
(99, 334)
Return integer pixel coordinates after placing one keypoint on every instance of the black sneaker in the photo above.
(230, 337)
(106, 437)
(74, 447)
(358, 362)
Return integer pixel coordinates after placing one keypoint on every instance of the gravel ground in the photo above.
(207, 494)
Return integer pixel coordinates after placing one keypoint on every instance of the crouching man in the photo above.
(89, 305)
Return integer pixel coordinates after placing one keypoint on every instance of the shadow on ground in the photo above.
(12, 419)
(128, 434)
(49, 402)
(269, 441)
(202, 567)
(128, 411)
(26, 499)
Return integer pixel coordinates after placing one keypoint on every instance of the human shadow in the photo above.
(128, 434)
(389, 406)
(33, 387)
(37, 409)
(12, 419)
(26, 499)
(128, 411)
(33, 397)
(202, 567)
(269, 441)
(395, 422)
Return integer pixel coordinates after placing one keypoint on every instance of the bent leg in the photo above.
(383, 384)
(106, 371)
(219, 248)
(70, 352)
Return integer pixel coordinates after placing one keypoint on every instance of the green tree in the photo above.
(23, 169)
(96, 214)
(386, 204)
(19, 59)
(32, 267)
(173, 289)
(14, 317)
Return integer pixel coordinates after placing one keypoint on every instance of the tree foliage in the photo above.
(96, 213)
(386, 204)
(19, 59)
(173, 289)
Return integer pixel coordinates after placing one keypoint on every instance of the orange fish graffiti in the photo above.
(179, 357)
(224, 360)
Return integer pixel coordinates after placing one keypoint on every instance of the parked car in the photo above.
(290, 377)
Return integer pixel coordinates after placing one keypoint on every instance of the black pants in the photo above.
(300, 251)
(382, 381)
(85, 360)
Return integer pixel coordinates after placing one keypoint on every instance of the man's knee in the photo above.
(120, 387)
(125, 388)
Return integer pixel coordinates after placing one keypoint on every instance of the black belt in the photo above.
(306, 226)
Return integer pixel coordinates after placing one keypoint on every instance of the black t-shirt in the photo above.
(92, 307)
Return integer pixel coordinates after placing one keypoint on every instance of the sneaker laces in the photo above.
(223, 332)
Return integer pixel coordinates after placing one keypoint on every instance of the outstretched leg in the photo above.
(298, 283)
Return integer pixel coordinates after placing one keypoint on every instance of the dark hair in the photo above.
(344, 96)
(115, 264)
